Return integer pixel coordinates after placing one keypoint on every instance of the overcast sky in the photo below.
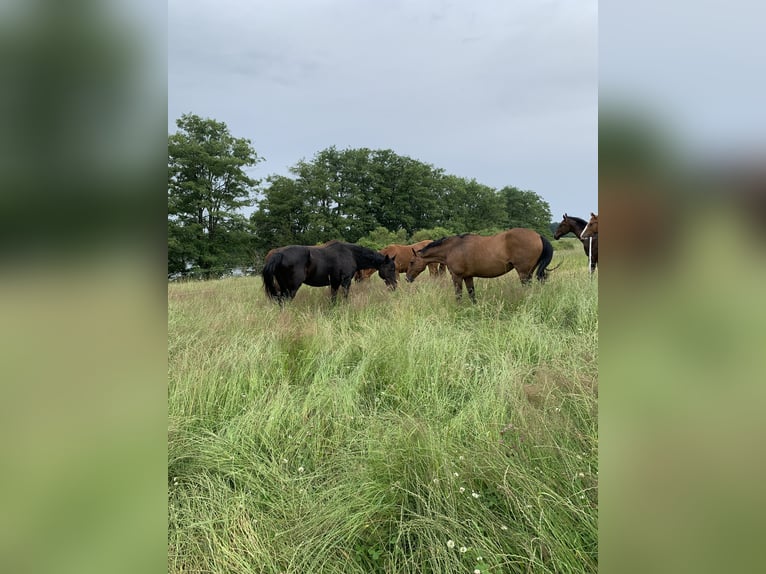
(502, 91)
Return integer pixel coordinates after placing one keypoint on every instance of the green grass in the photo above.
(345, 439)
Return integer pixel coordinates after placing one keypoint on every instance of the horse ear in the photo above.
(394, 257)
(565, 216)
(593, 214)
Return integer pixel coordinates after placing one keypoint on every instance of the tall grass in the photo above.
(366, 436)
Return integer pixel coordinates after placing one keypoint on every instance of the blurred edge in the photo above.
(682, 188)
(82, 160)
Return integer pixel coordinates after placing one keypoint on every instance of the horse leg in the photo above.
(469, 287)
(345, 285)
(525, 275)
(458, 283)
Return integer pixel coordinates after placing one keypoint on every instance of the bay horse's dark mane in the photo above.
(578, 220)
(442, 240)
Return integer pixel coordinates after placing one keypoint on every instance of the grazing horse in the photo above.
(591, 230)
(333, 264)
(402, 254)
(576, 225)
(468, 256)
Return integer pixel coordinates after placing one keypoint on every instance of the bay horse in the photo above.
(402, 254)
(576, 225)
(468, 256)
(333, 264)
(591, 230)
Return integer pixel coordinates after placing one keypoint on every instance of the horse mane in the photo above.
(441, 241)
(365, 257)
(578, 220)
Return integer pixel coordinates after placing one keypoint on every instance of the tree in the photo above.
(283, 216)
(526, 209)
(433, 233)
(207, 184)
(347, 194)
(468, 206)
(380, 237)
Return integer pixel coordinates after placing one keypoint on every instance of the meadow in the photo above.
(396, 432)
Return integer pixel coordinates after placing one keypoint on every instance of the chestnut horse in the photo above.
(333, 264)
(576, 225)
(468, 256)
(591, 230)
(401, 254)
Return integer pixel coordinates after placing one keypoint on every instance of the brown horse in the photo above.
(401, 254)
(576, 225)
(468, 256)
(591, 230)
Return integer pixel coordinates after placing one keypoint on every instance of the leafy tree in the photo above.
(284, 215)
(468, 206)
(433, 233)
(207, 184)
(379, 237)
(347, 194)
(525, 209)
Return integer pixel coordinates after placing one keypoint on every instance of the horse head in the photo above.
(564, 227)
(388, 273)
(592, 228)
(416, 266)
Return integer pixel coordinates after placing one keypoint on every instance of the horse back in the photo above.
(401, 254)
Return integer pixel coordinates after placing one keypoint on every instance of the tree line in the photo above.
(366, 196)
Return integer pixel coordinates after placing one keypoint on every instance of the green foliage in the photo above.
(207, 185)
(347, 194)
(526, 209)
(434, 233)
(351, 439)
(467, 206)
(284, 216)
(379, 237)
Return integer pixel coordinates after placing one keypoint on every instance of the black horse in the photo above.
(576, 225)
(333, 264)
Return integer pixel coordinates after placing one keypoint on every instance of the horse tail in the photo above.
(268, 275)
(545, 258)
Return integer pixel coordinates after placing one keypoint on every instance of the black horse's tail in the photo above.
(268, 276)
(545, 258)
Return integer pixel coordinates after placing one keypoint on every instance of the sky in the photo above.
(502, 92)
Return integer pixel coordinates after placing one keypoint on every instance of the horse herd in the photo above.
(466, 256)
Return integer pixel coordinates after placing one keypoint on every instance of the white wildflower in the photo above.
(450, 543)
(503, 527)
(462, 489)
(475, 494)
(301, 469)
(463, 549)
